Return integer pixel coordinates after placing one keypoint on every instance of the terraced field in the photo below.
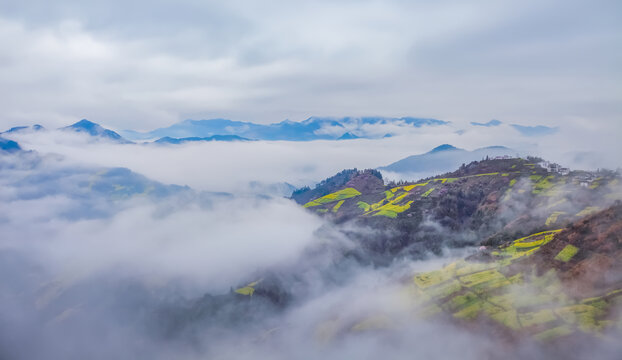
(249, 289)
(392, 202)
(469, 199)
(336, 196)
(520, 300)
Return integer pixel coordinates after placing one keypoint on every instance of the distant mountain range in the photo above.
(443, 159)
(314, 128)
(19, 129)
(95, 130)
(175, 141)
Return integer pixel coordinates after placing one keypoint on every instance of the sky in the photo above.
(72, 256)
(146, 64)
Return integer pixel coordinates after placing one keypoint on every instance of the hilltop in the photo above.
(485, 202)
(444, 158)
(96, 131)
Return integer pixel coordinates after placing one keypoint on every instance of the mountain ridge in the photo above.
(443, 158)
(95, 130)
(313, 128)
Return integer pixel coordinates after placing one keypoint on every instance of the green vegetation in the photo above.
(552, 219)
(521, 301)
(508, 318)
(567, 253)
(584, 316)
(536, 318)
(336, 196)
(588, 211)
(435, 277)
(337, 206)
(481, 277)
(391, 210)
(427, 193)
(554, 333)
(544, 185)
(249, 289)
(363, 205)
(408, 187)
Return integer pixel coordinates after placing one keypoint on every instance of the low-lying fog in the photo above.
(78, 283)
(230, 166)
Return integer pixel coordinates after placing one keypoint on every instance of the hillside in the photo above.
(561, 288)
(555, 292)
(496, 200)
(96, 131)
(443, 158)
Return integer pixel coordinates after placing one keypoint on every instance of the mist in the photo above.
(137, 277)
(201, 166)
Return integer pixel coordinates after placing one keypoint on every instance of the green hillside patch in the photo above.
(444, 290)
(552, 219)
(471, 311)
(432, 278)
(567, 253)
(536, 318)
(482, 277)
(588, 211)
(554, 333)
(408, 187)
(427, 193)
(461, 301)
(389, 208)
(363, 206)
(526, 301)
(337, 206)
(336, 196)
(543, 185)
(508, 318)
(249, 289)
(584, 316)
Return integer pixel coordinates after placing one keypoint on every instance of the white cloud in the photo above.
(155, 63)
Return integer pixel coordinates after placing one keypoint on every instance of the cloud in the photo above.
(233, 166)
(156, 63)
(539, 130)
(107, 285)
(492, 122)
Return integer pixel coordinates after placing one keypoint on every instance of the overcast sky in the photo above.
(146, 64)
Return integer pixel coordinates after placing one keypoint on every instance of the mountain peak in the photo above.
(444, 147)
(94, 129)
(9, 145)
(85, 124)
(347, 136)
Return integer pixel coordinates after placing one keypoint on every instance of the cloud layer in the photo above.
(143, 65)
